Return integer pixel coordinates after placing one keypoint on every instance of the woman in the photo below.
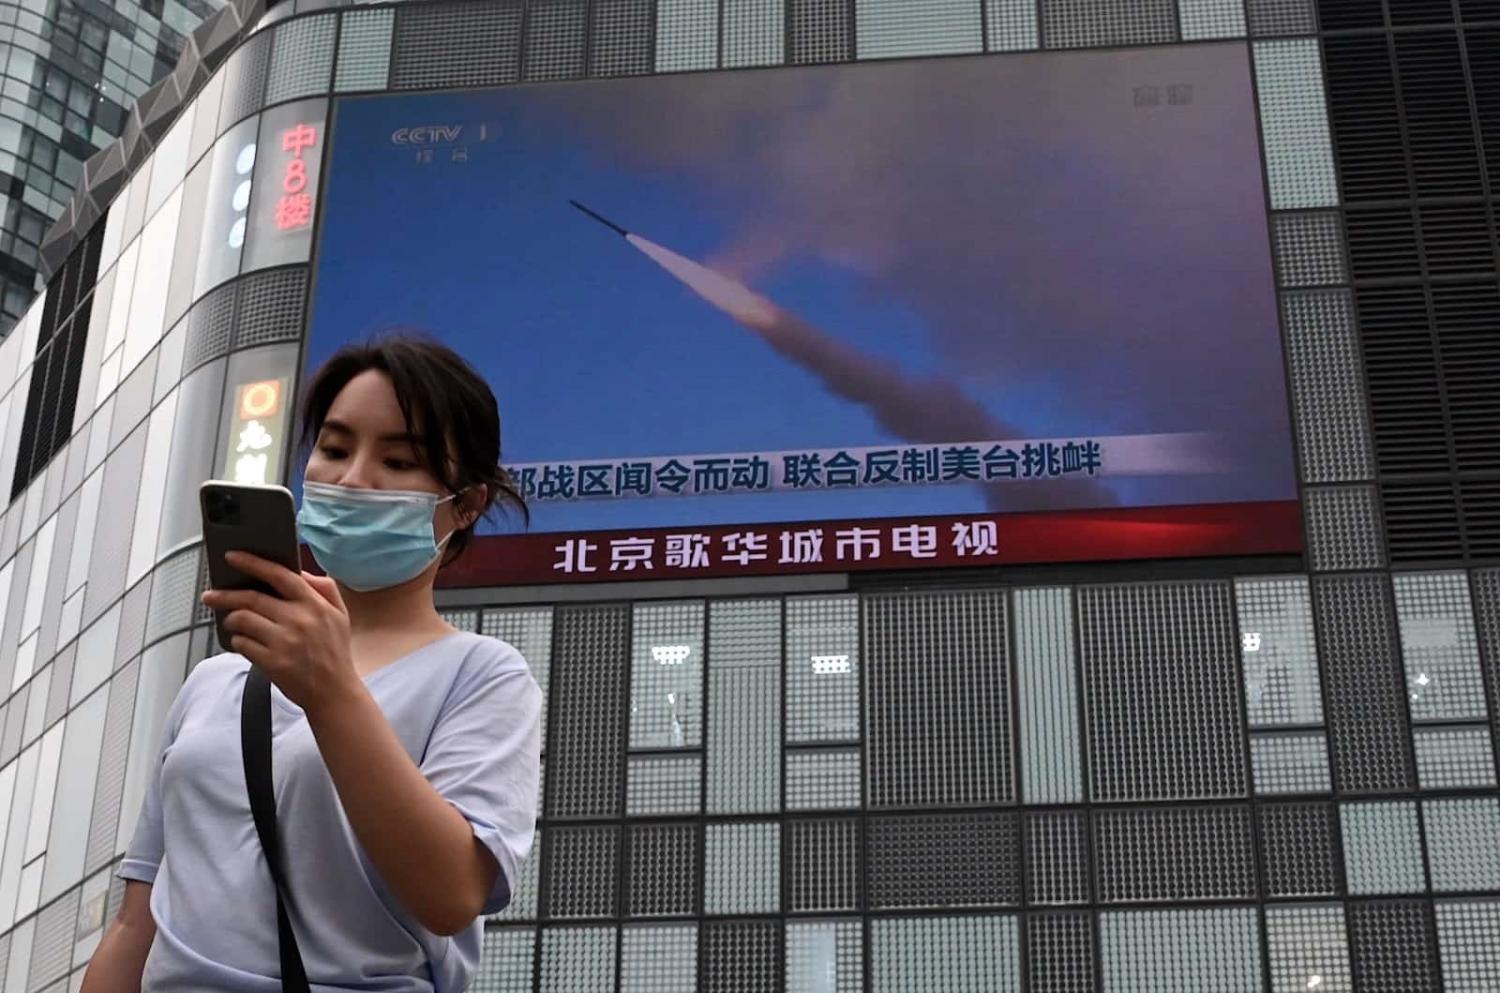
(406, 753)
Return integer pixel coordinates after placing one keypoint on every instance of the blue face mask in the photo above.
(369, 539)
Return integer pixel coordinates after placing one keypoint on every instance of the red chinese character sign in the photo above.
(294, 209)
(292, 140)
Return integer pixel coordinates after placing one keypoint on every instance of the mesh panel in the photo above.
(245, 80)
(899, 28)
(1382, 848)
(823, 865)
(742, 957)
(1309, 248)
(1469, 939)
(578, 960)
(1163, 704)
(1279, 652)
(944, 955)
(1297, 840)
(584, 753)
(301, 58)
(744, 693)
(824, 957)
(1147, 950)
(663, 784)
(742, 869)
(109, 785)
(1454, 758)
(111, 540)
(1207, 19)
(1057, 858)
(1174, 854)
(621, 38)
(1294, 124)
(1439, 646)
(555, 34)
(659, 959)
(1367, 720)
(687, 35)
(1047, 683)
(174, 595)
(1091, 24)
(1333, 434)
(754, 32)
(822, 779)
(442, 44)
(1487, 613)
(529, 631)
(131, 637)
(822, 669)
(210, 326)
(464, 620)
(666, 702)
(505, 963)
(1463, 843)
(1012, 25)
(1281, 18)
(582, 871)
(819, 31)
(52, 941)
(1390, 944)
(939, 699)
(663, 870)
(1343, 528)
(1309, 950)
(1060, 949)
(61, 686)
(364, 61)
(271, 307)
(954, 860)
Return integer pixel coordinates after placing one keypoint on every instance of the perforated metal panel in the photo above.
(111, 539)
(1469, 942)
(578, 960)
(1309, 949)
(210, 327)
(818, 31)
(1162, 692)
(945, 955)
(1057, 858)
(1463, 843)
(583, 871)
(52, 941)
(744, 691)
(1060, 952)
(822, 669)
(1204, 20)
(903, 28)
(109, 785)
(301, 58)
(1012, 25)
(822, 779)
(1090, 24)
(754, 32)
(687, 35)
(663, 784)
(270, 307)
(447, 44)
(1365, 700)
(1294, 124)
(1343, 528)
(505, 964)
(174, 594)
(944, 860)
(824, 957)
(1391, 947)
(1281, 18)
(1454, 758)
(245, 80)
(1297, 842)
(666, 686)
(742, 869)
(823, 865)
(364, 61)
(938, 708)
(555, 39)
(659, 959)
(742, 957)
(1174, 854)
(663, 870)
(621, 41)
(1382, 848)
(1279, 652)
(1181, 951)
(1047, 683)
(1309, 248)
(1439, 646)
(584, 753)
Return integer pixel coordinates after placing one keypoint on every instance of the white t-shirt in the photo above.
(467, 710)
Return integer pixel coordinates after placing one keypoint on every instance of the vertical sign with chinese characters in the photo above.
(257, 432)
(287, 168)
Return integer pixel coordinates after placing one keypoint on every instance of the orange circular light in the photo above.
(260, 399)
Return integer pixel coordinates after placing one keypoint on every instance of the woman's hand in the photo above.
(300, 639)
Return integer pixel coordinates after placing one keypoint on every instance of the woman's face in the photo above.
(364, 444)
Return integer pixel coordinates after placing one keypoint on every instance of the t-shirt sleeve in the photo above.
(484, 758)
(144, 854)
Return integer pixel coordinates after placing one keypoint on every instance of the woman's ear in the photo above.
(471, 504)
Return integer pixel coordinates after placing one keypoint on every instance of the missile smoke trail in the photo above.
(929, 411)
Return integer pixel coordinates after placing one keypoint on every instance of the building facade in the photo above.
(72, 74)
(1220, 774)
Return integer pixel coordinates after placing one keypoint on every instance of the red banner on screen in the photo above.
(1270, 528)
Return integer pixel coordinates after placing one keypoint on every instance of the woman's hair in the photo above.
(444, 401)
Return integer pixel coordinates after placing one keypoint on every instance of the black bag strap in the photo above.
(255, 743)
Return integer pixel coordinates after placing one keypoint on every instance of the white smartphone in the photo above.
(261, 520)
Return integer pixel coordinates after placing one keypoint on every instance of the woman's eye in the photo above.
(399, 465)
(330, 452)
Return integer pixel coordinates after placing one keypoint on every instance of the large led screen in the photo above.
(945, 311)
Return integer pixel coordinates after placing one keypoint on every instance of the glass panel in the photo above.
(1047, 680)
(824, 957)
(742, 869)
(1181, 951)
(666, 702)
(225, 215)
(659, 959)
(945, 955)
(1443, 679)
(1382, 848)
(1279, 652)
(1309, 950)
(744, 726)
(288, 162)
(822, 669)
(1463, 843)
